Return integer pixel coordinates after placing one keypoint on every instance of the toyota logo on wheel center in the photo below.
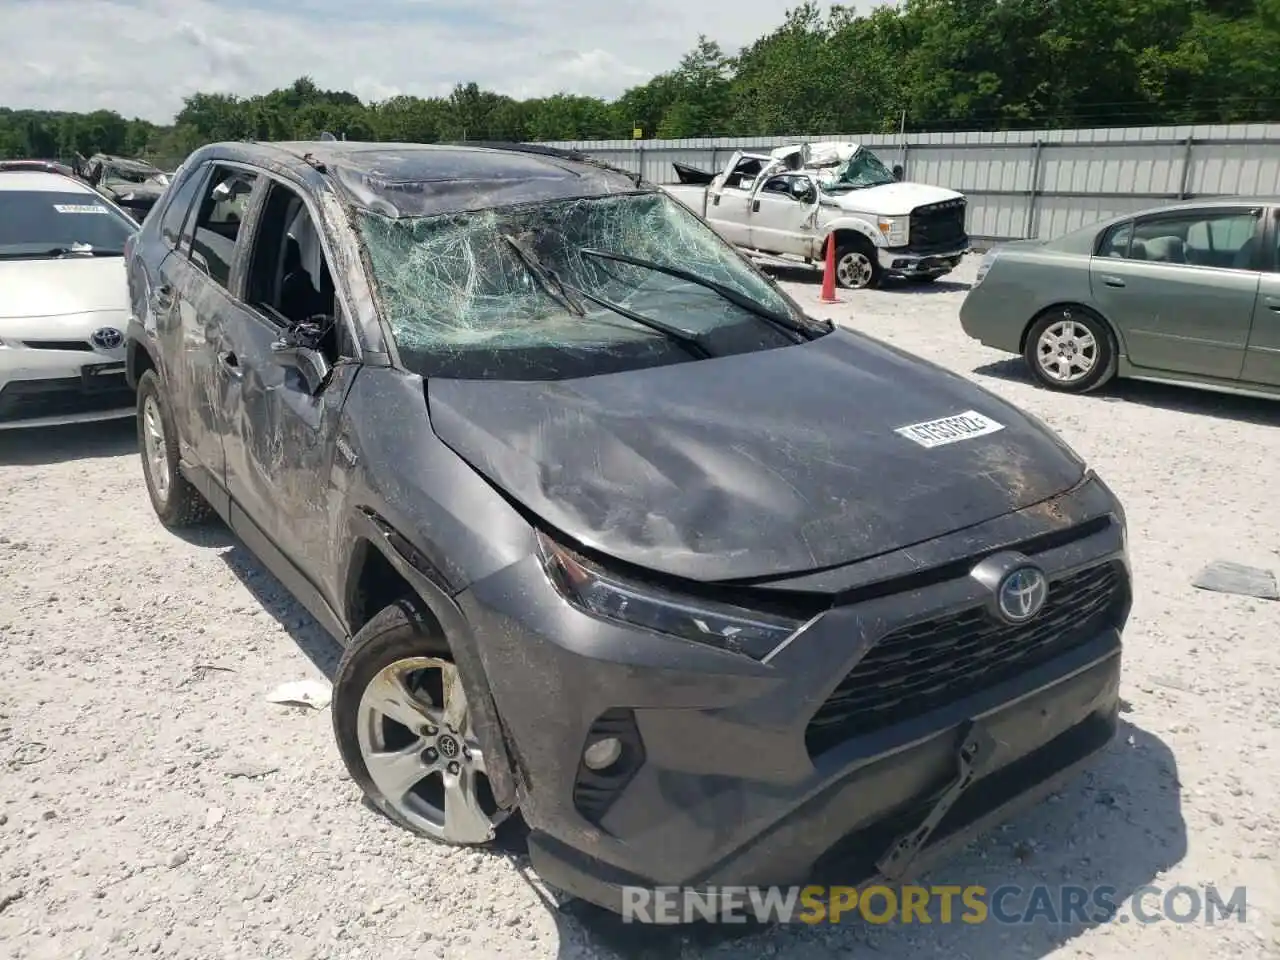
(448, 747)
(1022, 594)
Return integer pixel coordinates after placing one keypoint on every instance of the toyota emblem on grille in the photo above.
(1022, 593)
(1016, 588)
(108, 338)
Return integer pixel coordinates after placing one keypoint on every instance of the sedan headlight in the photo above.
(605, 595)
(895, 230)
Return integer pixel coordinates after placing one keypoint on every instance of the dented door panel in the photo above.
(190, 335)
(280, 443)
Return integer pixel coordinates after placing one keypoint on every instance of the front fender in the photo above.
(485, 719)
(848, 223)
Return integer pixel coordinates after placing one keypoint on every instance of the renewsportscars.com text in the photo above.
(1011, 905)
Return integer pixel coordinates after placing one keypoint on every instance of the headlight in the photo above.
(894, 230)
(987, 262)
(604, 595)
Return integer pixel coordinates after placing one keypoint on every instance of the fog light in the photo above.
(603, 753)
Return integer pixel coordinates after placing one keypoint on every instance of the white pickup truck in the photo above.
(789, 202)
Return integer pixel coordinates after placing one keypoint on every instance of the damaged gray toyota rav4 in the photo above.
(623, 547)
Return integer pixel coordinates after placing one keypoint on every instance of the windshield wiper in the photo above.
(565, 295)
(778, 320)
(687, 338)
(59, 252)
(547, 279)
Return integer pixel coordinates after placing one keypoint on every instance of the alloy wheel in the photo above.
(156, 449)
(414, 731)
(854, 270)
(1067, 351)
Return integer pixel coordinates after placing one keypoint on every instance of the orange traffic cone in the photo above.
(829, 274)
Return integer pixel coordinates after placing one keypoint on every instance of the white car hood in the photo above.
(57, 288)
(891, 199)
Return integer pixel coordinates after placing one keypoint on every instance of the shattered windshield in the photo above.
(521, 292)
(864, 169)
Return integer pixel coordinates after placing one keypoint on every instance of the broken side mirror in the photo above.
(309, 362)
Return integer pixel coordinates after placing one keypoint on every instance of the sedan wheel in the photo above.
(1070, 350)
(1067, 351)
(413, 727)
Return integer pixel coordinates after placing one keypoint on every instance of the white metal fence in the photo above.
(1025, 183)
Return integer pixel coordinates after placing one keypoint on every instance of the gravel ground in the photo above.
(152, 801)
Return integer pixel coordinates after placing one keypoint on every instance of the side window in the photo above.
(1225, 239)
(289, 278)
(788, 185)
(179, 205)
(217, 223)
(1115, 242)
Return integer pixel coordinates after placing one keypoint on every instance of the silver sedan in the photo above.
(1186, 293)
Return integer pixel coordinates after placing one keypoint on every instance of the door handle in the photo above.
(755, 206)
(1113, 281)
(1273, 304)
(230, 363)
(162, 297)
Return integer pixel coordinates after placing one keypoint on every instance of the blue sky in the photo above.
(141, 57)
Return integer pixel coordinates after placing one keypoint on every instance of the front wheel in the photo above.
(403, 728)
(1070, 350)
(857, 267)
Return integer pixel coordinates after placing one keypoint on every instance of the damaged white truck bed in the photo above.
(787, 203)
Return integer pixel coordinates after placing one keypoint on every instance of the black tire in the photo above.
(398, 632)
(869, 276)
(181, 505)
(1103, 367)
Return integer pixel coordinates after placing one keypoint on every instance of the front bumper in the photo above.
(905, 262)
(722, 781)
(71, 381)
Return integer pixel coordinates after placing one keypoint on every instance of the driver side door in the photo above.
(285, 477)
(783, 214)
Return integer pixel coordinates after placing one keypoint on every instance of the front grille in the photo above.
(63, 397)
(83, 345)
(938, 226)
(933, 663)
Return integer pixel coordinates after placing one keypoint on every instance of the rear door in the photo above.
(282, 429)
(728, 199)
(1262, 356)
(194, 297)
(1181, 286)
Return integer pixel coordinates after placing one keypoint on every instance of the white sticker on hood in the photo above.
(79, 208)
(961, 426)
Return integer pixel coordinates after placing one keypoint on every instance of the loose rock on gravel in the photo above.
(154, 803)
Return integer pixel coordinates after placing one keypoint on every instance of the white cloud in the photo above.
(141, 57)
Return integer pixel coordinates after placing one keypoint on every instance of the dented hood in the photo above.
(891, 199)
(753, 465)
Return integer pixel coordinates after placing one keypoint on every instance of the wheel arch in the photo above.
(137, 361)
(848, 232)
(383, 567)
